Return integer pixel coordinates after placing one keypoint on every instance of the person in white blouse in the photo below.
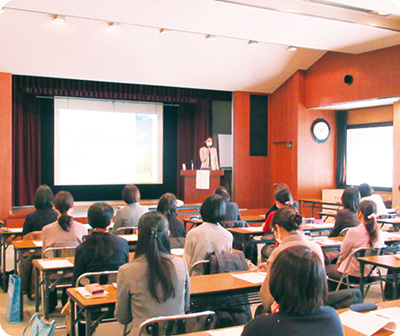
(209, 156)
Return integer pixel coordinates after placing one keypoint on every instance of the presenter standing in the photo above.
(209, 156)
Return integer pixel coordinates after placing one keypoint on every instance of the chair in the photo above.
(58, 252)
(177, 324)
(358, 253)
(197, 264)
(234, 224)
(126, 230)
(344, 232)
(103, 278)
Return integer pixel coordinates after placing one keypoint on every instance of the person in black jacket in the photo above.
(100, 251)
(167, 206)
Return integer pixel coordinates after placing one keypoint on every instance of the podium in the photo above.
(193, 195)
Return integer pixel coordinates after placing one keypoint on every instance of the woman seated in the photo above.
(286, 223)
(210, 236)
(155, 283)
(298, 286)
(65, 231)
(279, 187)
(283, 199)
(167, 206)
(100, 251)
(366, 234)
(232, 212)
(44, 213)
(129, 215)
(346, 217)
(367, 194)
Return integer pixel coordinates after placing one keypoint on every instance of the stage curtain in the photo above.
(341, 126)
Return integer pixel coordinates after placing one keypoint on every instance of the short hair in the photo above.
(365, 190)
(222, 192)
(213, 209)
(298, 280)
(44, 197)
(167, 204)
(287, 218)
(100, 215)
(130, 194)
(351, 198)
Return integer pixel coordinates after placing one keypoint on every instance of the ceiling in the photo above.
(84, 47)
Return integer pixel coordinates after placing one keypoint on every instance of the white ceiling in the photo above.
(83, 47)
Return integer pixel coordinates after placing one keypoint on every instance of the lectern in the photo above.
(193, 195)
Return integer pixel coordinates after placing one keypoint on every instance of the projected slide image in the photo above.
(95, 147)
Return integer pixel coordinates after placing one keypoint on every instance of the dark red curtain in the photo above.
(194, 121)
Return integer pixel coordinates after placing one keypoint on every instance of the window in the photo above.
(369, 156)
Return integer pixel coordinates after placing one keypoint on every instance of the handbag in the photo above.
(13, 312)
(39, 327)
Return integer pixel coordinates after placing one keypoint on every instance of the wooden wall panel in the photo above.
(6, 146)
(250, 173)
(376, 75)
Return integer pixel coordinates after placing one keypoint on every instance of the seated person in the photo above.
(167, 206)
(346, 217)
(366, 234)
(298, 285)
(209, 236)
(286, 223)
(279, 187)
(155, 283)
(65, 231)
(129, 215)
(44, 213)
(232, 212)
(367, 194)
(100, 251)
(283, 199)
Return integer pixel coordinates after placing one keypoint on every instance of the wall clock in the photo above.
(320, 130)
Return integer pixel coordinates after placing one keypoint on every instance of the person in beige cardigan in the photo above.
(285, 223)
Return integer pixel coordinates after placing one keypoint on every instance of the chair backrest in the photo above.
(59, 252)
(103, 278)
(126, 230)
(234, 224)
(344, 232)
(198, 265)
(178, 324)
(364, 252)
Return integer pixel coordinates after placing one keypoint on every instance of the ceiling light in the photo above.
(114, 25)
(164, 31)
(252, 42)
(291, 48)
(210, 37)
(59, 18)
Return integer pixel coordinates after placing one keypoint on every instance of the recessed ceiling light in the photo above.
(210, 37)
(114, 25)
(59, 18)
(291, 48)
(164, 31)
(252, 43)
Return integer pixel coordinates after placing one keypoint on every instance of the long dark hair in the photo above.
(99, 217)
(44, 197)
(63, 201)
(351, 199)
(287, 218)
(153, 244)
(368, 210)
(167, 204)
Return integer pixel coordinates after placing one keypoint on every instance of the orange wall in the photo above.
(250, 173)
(5, 141)
(376, 74)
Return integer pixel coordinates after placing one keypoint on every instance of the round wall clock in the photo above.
(320, 130)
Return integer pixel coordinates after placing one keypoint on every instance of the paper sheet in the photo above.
(254, 228)
(38, 243)
(252, 277)
(235, 331)
(202, 179)
(56, 263)
(129, 238)
(177, 251)
(367, 324)
(15, 230)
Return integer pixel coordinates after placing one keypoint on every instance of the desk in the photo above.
(202, 288)
(318, 204)
(393, 221)
(347, 330)
(6, 237)
(253, 220)
(317, 227)
(390, 262)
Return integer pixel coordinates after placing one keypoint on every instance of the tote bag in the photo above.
(39, 327)
(13, 312)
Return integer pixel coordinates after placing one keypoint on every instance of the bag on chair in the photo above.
(13, 312)
(39, 327)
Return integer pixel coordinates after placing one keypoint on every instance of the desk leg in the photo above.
(362, 266)
(72, 317)
(88, 323)
(3, 262)
(395, 284)
(46, 293)
(37, 289)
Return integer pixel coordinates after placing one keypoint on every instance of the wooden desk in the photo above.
(390, 262)
(6, 237)
(393, 221)
(252, 220)
(202, 287)
(317, 204)
(317, 227)
(347, 330)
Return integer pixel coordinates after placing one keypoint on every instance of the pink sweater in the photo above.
(54, 236)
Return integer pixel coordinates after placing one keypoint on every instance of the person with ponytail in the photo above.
(283, 199)
(366, 234)
(100, 250)
(285, 224)
(65, 231)
(155, 283)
